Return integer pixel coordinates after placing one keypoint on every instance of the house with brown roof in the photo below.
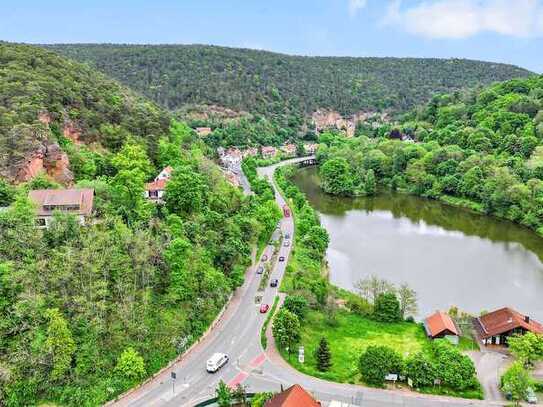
(441, 325)
(294, 396)
(269, 152)
(78, 202)
(154, 191)
(289, 150)
(203, 131)
(495, 327)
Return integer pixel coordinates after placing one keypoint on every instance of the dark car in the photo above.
(260, 270)
(287, 236)
(282, 258)
(274, 282)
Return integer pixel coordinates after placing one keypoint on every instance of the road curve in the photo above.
(238, 335)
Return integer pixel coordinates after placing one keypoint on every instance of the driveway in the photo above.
(490, 366)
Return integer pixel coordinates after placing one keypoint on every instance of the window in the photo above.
(40, 222)
(153, 194)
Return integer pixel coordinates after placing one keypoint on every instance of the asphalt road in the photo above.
(238, 335)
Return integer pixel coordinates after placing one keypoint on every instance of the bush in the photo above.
(378, 361)
(387, 308)
(455, 370)
(359, 306)
(297, 305)
(130, 364)
(421, 370)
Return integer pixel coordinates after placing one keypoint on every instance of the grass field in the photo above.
(348, 339)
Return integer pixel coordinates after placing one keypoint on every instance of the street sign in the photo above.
(301, 354)
(174, 375)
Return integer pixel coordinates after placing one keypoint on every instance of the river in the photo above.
(450, 256)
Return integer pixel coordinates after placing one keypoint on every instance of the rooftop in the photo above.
(439, 322)
(294, 396)
(77, 201)
(504, 320)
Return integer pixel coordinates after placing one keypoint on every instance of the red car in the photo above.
(264, 308)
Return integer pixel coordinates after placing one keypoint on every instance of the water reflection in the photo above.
(449, 255)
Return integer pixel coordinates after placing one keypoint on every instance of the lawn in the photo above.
(349, 338)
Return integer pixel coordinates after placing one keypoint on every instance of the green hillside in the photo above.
(480, 149)
(285, 89)
(87, 312)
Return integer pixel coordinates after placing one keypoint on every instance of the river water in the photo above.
(450, 256)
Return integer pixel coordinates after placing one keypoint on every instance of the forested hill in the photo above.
(283, 88)
(44, 97)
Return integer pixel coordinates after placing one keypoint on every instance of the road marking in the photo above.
(259, 360)
(240, 377)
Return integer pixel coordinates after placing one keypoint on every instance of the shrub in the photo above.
(421, 370)
(378, 361)
(455, 370)
(130, 364)
(297, 305)
(387, 308)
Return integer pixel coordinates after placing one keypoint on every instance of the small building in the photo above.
(289, 150)
(495, 327)
(250, 152)
(441, 325)
(294, 396)
(311, 148)
(78, 202)
(154, 191)
(269, 152)
(203, 131)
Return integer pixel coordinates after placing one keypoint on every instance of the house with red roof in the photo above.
(495, 327)
(441, 325)
(154, 191)
(294, 396)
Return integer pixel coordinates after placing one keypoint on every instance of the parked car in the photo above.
(216, 361)
(264, 308)
(531, 398)
(264, 257)
(260, 270)
(274, 282)
(281, 258)
(286, 244)
(287, 236)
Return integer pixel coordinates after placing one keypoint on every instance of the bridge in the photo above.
(307, 162)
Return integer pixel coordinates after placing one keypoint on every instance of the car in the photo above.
(264, 308)
(264, 257)
(531, 398)
(274, 282)
(281, 258)
(260, 270)
(286, 244)
(216, 361)
(287, 236)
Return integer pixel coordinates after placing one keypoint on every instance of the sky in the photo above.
(509, 31)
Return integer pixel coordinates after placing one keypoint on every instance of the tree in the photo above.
(370, 184)
(527, 348)
(224, 394)
(455, 369)
(387, 308)
(186, 191)
(59, 344)
(421, 370)
(408, 301)
(378, 361)
(259, 399)
(286, 329)
(335, 177)
(516, 381)
(296, 304)
(372, 286)
(239, 395)
(323, 355)
(130, 364)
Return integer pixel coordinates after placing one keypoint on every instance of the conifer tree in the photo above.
(323, 356)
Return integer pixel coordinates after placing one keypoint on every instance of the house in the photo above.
(203, 131)
(78, 202)
(311, 148)
(155, 190)
(231, 158)
(441, 325)
(294, 396)
(495, 327)
(289, 150)
(268, 152)
(250, 152)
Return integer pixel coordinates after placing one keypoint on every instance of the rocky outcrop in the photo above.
(71, 131)
(330, 119)
(47, 159)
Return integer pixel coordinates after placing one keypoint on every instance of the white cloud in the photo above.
(465, 18)
(355, 6)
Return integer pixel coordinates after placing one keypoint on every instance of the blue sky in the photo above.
(508, 31)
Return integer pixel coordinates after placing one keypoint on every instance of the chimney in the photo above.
(526, 319)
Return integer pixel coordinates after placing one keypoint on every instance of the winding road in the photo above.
(237, 334)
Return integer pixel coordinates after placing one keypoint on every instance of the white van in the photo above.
(216, 361)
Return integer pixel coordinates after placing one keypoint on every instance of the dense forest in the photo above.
(43, 96)
(284, 89)
(87, 312)
(480, 149)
